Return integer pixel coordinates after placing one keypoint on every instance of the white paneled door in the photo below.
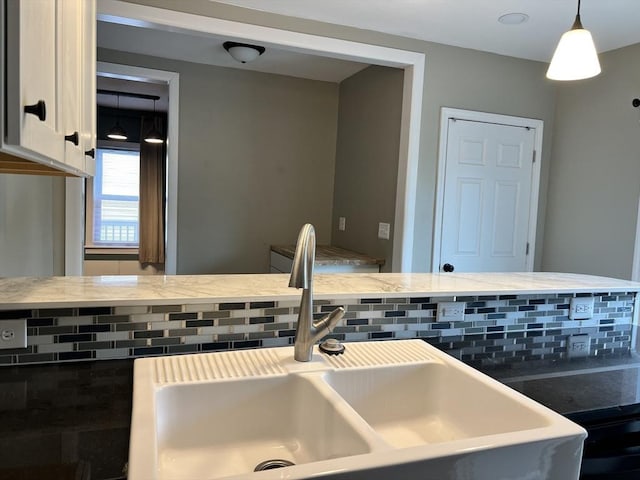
(486, 203)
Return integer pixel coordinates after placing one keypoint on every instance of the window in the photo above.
(116, 194)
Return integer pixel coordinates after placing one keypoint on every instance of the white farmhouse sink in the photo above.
(383, 410)
(219, 429)
(409, 405)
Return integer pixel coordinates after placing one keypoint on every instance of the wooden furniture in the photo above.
(329, 259)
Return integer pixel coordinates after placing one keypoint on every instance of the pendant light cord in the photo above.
(577, 25)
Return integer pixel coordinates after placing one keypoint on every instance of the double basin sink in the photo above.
(382, 410)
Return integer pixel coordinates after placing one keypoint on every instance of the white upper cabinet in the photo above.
(88, 115)
(50, 90)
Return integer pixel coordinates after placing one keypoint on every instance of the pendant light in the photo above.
(575, 57)
(117, 132)
(154, 136)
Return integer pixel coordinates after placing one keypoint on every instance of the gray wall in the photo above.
(454, 77)
(256, 161)
(31, 226)
(595, 171)
(367, 160)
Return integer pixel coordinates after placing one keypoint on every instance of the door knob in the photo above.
(38, 109)
(447, 267)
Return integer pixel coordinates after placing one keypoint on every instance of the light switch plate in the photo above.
(384, 230)
(13, 334)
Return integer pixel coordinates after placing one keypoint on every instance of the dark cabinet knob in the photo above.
(91, 153)
(38, 109)
(447, 267)
(73, 138)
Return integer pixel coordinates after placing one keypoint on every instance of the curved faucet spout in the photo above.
(305, 256)
(307, 331)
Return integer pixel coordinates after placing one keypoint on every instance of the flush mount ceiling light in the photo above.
(117, 132)
(575, 57)
(513, 18)
(243, 52)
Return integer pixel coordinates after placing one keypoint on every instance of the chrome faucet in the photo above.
(308, 331)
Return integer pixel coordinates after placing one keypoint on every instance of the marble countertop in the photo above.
(47, 292)
(330, 255)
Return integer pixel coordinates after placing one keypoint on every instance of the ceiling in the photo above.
(464, 23)
(207, 49)
(120, 85)
(473, 23)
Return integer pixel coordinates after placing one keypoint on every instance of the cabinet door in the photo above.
(69, 33)
(31, 77)
(88, 78)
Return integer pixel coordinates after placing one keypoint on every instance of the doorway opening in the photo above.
(156, 83)
(411, 62)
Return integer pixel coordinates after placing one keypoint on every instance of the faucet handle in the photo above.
(327, 322)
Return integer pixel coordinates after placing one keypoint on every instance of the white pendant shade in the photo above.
(575, 57)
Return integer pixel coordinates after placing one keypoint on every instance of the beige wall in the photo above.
(367, 160)
(256, 161)
(31, 225)
(117, 267)
(595, 171)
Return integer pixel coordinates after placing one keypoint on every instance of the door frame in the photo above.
(635, 265)
(448, 113)
(413, 64)
(172, 79)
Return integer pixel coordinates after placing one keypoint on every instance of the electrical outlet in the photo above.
(578, 345)
(342, 224)
(581, 308)
(383, 230)
(13, 334)
(451, 311)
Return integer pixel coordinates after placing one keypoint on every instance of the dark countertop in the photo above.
(66, 418)
(570, 386)
(330, 255)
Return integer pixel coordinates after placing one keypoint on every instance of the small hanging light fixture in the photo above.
(575, 57)
(154, 136)
(117, 132)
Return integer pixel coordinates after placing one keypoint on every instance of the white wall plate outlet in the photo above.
(581, 308)
(578, 345)
(342, 223)
(451, 311)
(13, 334)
